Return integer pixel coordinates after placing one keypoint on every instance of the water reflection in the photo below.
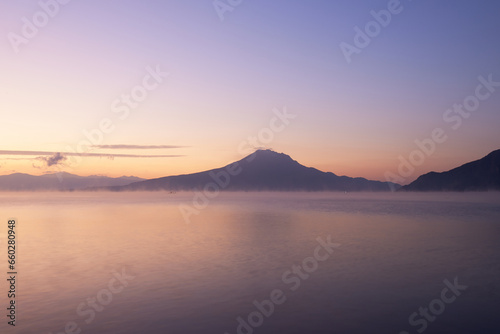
(198, 278)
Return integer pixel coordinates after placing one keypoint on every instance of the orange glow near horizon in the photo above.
(215, 85)
(371, 165)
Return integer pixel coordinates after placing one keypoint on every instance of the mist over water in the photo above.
(396, 252)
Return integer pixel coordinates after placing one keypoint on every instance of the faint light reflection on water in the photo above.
(198, 278)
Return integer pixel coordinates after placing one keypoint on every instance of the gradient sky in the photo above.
(226, 77)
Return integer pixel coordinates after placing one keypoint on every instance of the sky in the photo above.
(155, 88)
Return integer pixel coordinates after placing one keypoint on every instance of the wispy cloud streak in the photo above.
(135, 147)
(98, 155)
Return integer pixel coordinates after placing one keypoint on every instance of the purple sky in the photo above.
(356, 114)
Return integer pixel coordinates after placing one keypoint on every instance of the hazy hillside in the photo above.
(262, 170)
(479, 175)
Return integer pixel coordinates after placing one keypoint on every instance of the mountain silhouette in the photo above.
(263, 170)
(59, 181)
(479, 175)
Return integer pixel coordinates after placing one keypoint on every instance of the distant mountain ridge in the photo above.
(263, 170)
(59, 181)
(479, 175)
(266, 170)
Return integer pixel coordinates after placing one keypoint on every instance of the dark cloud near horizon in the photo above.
(135, 147)
(53, 160)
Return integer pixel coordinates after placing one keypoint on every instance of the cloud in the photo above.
(53, 160)
(73, 154)
(135, 147)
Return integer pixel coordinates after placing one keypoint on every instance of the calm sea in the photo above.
(253, 263)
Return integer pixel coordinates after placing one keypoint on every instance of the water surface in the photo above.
(396, 251)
